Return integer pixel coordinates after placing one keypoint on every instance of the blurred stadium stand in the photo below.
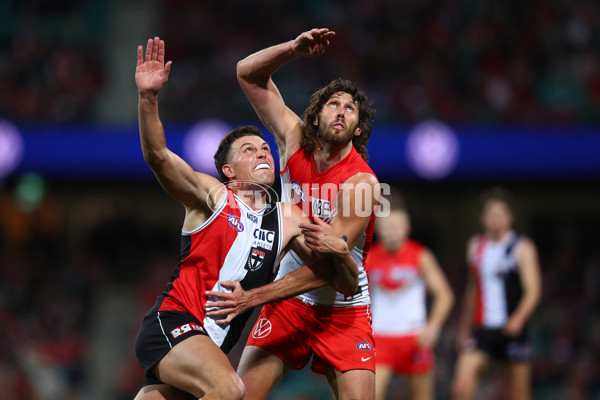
(469, 94)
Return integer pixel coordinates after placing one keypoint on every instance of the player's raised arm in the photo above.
(174, 174)
(254, 74)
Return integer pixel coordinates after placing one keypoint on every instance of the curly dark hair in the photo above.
(310, 138)
(222, 154)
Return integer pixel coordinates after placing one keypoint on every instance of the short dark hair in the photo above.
(222, 154)
(366, 113)
(497, 193)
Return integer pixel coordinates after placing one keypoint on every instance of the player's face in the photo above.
(338, 120)
(496, 216)
(393, 229)
(251, 160)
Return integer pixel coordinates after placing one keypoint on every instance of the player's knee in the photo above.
(231, 389)
(462, 389)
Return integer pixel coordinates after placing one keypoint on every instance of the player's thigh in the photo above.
(260, 371)
(383, 376)
(161, 392)
(198, 366)
(421, 386)
(357, 384)
(519, 377)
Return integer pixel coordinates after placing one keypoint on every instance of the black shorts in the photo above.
(501, 347)
(159, 333)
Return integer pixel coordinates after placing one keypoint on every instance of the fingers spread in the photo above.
(149, 50)
(161, 51)
(140, 55)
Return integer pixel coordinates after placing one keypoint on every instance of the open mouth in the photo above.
(262, 166)
(338, 125)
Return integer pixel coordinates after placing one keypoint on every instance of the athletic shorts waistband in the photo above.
(324, 310)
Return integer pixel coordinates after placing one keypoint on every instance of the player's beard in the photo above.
(330, 135)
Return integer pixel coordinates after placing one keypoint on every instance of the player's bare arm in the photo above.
(196, 191)
(468, 306)
(443, 298)
(356, 202)
(529, 273)
(254, 74)
(325, 255)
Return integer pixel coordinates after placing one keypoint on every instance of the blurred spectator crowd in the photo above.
(456, 60)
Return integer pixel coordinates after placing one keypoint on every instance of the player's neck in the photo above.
(392, 247)
(253, 198)
(327, 155)
(496, 236)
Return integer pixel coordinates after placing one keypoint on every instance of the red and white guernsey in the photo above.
(497, 283)
(235, 244)
(316, 194)
(397, 289)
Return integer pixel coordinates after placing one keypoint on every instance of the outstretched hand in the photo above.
(230, 305)
(152, 73)
(313, 43)
(322, 239)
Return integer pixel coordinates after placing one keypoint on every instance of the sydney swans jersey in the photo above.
(397, 290)
(497, 282)
(235, 244)
(316, 194)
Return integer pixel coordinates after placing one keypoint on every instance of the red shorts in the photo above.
(404, 355)
(338, 336)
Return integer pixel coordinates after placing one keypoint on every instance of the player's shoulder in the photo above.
(472, 243)
(415, 245)
(363, 178)
(292, 212)
(525, 243)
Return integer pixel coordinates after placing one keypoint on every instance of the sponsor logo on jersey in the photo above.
(321, 208)
(263, 238)
(262, 329)
(255, 260)
(252, 217)
(185, 328)
(297, 194)
(364, 346)
(235, 223)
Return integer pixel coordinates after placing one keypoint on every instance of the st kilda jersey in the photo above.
(235, 244)
(316, 194)
(495, 270)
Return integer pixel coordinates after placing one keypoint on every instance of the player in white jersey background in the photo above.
(401, 273)
(503, 290)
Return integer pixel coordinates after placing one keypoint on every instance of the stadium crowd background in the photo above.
(82, 261)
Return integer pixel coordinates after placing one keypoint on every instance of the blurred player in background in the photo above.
(231, 231)
(503, 290)
(324, 170)
(401, 272)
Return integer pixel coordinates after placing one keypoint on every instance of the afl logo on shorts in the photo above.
(261, 329)
(364, 346)
(235, 223)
